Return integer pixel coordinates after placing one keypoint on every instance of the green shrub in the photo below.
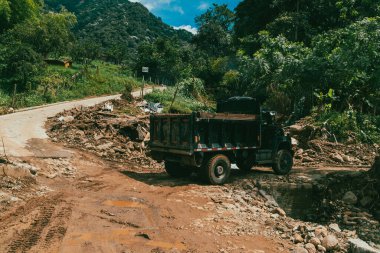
(362, 127)
(181, 104)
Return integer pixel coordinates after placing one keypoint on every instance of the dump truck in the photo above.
(240, 133)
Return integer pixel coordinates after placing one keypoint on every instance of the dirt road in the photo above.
(81, 203)
(19, 129)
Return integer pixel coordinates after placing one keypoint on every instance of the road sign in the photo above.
(145, 69)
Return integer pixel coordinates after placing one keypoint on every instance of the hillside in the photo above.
(118, 27)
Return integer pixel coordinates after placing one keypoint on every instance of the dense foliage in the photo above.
(294, 56)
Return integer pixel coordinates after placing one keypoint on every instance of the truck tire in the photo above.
(283, 162)
(217, 170)
(176, 170)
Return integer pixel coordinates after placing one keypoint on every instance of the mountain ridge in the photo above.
(117, 25)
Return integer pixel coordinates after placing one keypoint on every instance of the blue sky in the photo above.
(181, 13)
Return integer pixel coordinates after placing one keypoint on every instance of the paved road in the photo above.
(19, 129)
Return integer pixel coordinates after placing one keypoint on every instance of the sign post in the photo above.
(144, 70)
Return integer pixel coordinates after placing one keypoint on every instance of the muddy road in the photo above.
(105, 207)
(79, 202)
(102, 206)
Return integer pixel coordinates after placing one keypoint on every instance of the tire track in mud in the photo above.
(48, 226)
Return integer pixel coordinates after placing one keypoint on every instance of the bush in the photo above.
(182, 104)
(362, 127)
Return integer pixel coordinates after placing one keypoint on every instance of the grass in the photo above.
(62, 84)
(182, 104)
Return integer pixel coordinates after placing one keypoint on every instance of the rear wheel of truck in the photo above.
(176, 170)
(217, 170)
(283, 162)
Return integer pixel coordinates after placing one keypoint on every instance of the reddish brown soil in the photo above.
(107, 208)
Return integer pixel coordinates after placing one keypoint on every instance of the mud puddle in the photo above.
(299, 201)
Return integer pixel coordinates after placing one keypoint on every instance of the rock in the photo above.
(300, 250)
(330, 242)
(295, 129)
(350, 198)
(315, 241)
(366, 201)
(347, 158)
(307, 159)
(337, 158)
(66, 119)
(105, 146)
(310, 248)
(16, 171)
(279, 211)
(294, 141)
(33, 170)
(320, 232)
(321, 248)
(297, 238)
(360, 246)
(335, 227)
(130, 146)
(275, 216)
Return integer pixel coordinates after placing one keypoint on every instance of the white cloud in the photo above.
(153, 4)
(203, 6)
(188, 28)
(178, 9)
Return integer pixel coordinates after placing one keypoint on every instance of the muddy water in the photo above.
(299, 201)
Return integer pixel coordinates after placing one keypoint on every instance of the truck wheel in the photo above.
(176, 170)
(217, 170)
(283, 162)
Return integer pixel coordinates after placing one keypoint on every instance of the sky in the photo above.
(181, 13)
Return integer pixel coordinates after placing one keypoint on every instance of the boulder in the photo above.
(307, 159)
(335, 227)
(350, 198)
(294, 141)
(297, 238)
(360, 246)
(295, 129)
(320, 232)
(315, 241)
(321, 248)
(337, 158)
(279, 211)
(15, 171)
(310, 248)
(300, 250)
(330, 242)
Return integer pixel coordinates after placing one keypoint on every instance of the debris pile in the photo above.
(116, 130)
(353, 200)
(238, 206)
(314, 145)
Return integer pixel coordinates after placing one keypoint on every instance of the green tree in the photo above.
(13, 12)
(214, 35)
(48, 35)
